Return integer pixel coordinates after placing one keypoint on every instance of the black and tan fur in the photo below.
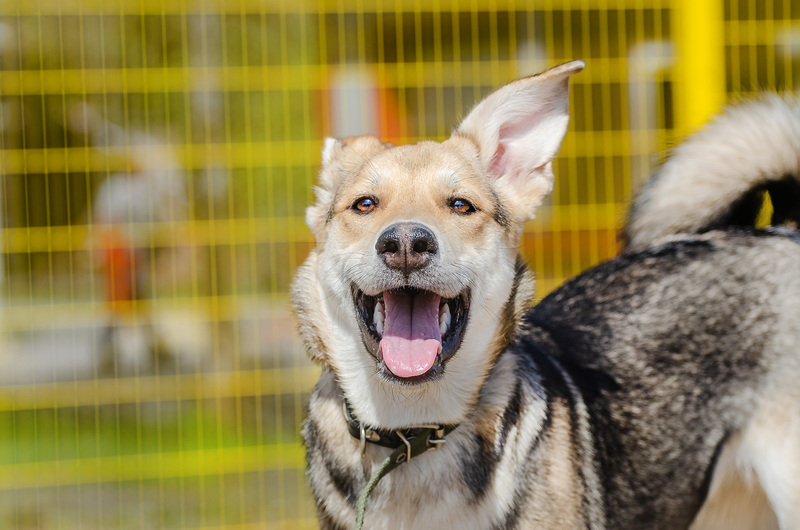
(658, 390)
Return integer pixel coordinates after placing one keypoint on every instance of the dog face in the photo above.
(414, 283)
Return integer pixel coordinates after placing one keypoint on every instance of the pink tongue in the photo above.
(411, 339)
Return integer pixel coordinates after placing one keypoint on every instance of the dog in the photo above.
(657, 390)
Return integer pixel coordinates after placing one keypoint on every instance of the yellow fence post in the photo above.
(700, 68)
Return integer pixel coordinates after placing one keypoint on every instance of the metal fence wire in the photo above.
(156, 162)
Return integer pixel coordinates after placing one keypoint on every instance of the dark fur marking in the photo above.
(345, 483)
(330, 213)
(478, 462)
(511, 414)
(510, 319)
(501, 215)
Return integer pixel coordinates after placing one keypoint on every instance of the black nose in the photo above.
(407, 247)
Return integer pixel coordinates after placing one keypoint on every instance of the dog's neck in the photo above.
(393, 438)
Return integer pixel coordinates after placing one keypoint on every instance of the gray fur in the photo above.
(673, 349)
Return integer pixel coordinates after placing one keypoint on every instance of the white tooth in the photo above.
(378, 318)
(444, 318)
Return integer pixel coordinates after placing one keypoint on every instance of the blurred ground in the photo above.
(225, 452)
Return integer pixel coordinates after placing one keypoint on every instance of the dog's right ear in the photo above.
(340, 159)
(518, 129)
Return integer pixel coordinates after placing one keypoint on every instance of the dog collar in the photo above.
(407, 443)
(433, 435)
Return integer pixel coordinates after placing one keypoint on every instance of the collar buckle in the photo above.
(436, 443)
(407, 438)
(435, 438)
(404, 457)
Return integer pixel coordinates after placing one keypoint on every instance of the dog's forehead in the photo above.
(422, 162)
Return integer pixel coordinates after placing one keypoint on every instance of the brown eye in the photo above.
(462, 206)
(365, 204)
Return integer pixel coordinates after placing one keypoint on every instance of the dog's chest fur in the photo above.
(491, 472)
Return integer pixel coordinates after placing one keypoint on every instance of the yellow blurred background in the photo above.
(156, 161)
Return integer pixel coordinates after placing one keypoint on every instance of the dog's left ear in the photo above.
(518, 129)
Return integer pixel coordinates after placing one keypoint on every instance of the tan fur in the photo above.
(764, 455)
(735, 502)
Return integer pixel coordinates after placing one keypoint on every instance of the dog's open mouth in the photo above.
(411, 332)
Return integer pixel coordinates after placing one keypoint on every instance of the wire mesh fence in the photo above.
(156, 161)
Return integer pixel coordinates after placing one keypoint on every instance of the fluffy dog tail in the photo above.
(718, 177)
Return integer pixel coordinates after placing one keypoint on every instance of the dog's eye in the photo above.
(462, 206)
(365, 204)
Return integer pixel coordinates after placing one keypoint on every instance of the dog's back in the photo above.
(686, 358)
(738, 342)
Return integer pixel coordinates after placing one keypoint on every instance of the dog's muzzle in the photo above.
(411, 332)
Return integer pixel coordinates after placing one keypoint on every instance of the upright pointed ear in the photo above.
(518, 129)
